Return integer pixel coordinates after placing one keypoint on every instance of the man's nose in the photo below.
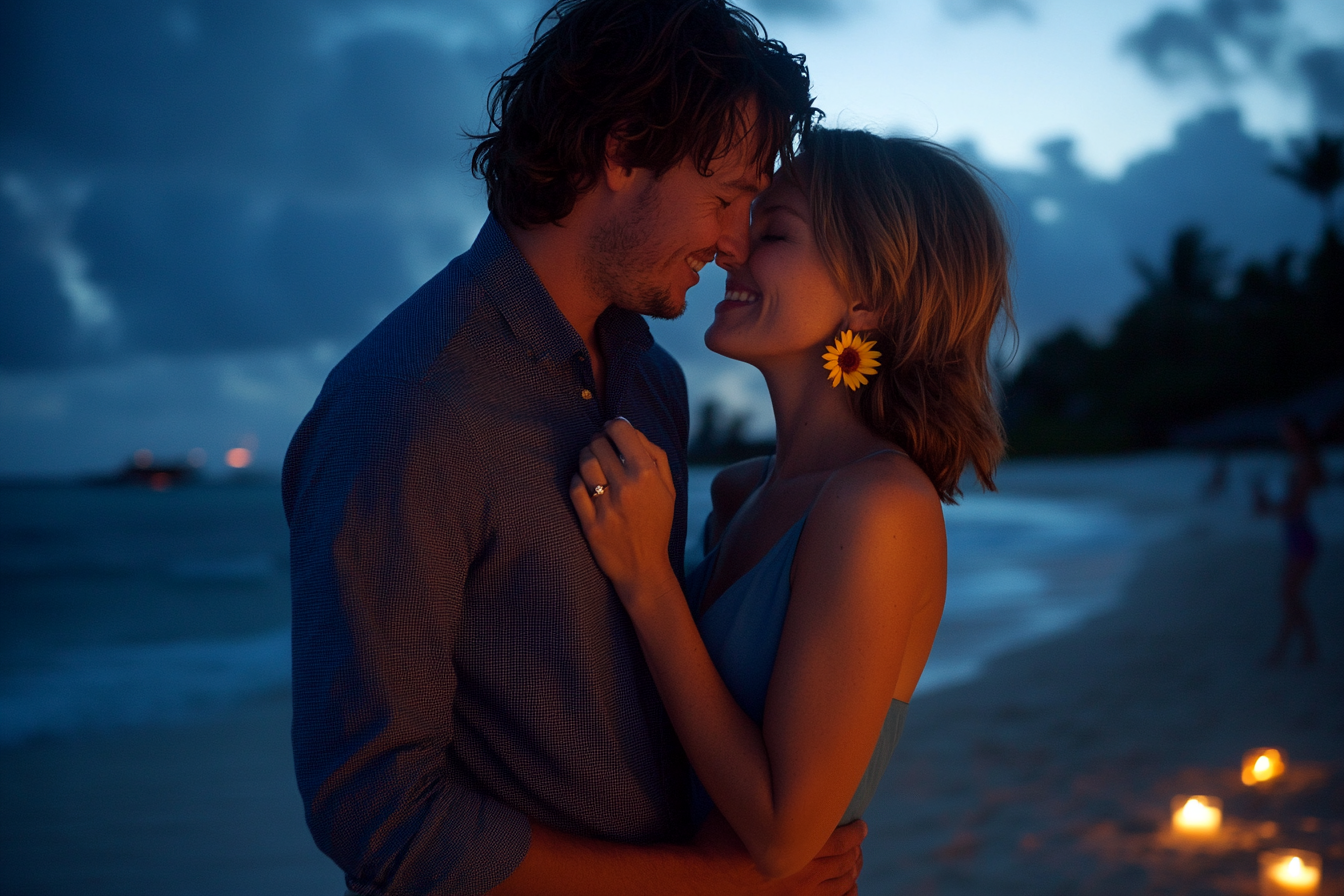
(734, 243)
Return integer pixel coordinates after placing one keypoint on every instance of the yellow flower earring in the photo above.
(851, 359)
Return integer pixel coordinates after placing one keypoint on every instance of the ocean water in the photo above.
(122, 606)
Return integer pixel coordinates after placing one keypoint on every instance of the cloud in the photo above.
(36, 324)
(1175, 45)
(1074, 233)
(1323, 70)
(45, 217)
(1216, 41)
(1230, 42)
(217, 176)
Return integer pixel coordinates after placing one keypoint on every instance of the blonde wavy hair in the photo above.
(909, 227)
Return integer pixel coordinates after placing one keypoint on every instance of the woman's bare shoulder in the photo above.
(872, 556)
(871, 560)
(872, 500)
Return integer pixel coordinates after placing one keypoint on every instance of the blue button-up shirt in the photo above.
(461, 665)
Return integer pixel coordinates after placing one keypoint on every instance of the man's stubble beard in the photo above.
(620, 258)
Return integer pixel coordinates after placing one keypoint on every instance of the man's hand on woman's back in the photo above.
(714, 864)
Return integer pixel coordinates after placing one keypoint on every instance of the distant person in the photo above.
(878, 268)
(472, 711)
(1216, 485)
(1299, 536)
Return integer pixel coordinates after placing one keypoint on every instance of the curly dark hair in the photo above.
(672, 79)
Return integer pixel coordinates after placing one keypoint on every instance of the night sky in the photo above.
(204, 205)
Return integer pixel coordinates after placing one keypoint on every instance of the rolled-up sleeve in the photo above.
(389, 506)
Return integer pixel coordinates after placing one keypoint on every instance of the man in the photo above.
(471, 708)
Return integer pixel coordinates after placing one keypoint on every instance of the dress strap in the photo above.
(881, 451)
(765, 471)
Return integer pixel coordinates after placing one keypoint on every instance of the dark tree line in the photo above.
(1191, 347)
(721, 438)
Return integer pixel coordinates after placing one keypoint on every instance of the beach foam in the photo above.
(134, 684)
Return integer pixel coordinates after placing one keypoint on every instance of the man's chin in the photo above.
(658, 304)
(669, 311)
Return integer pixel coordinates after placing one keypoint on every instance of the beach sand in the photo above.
(1049, 774)
(1053, 771)
(200, 809)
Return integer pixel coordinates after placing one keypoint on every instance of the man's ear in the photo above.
(616, 174)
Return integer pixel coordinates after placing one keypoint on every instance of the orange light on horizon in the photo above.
(1264, 764)
(1196, 816)
(238, 458)
(1289, 872)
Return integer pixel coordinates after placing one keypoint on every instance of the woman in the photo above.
(788, 664)
(1299, 537)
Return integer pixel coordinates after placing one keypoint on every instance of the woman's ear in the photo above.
(862, 316)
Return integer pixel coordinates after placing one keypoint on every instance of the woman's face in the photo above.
(782, 302)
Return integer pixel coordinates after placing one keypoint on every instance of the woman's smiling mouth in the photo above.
(737, 298)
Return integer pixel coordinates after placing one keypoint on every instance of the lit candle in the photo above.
(1259, 766)
(1196, 816)
(1289, 872)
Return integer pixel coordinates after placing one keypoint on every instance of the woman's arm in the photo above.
(869, 580)
(871, 558)
(1307, 475)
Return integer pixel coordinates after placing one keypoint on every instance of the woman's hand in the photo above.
(624, 496)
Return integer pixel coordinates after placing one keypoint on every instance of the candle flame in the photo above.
(1297, 873)
(1196, 815)
(1260, 766)
(1288, 871)
(1194, 810)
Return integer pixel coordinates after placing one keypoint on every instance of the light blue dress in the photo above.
(741, 632)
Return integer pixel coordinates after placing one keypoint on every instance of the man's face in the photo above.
(651, 249)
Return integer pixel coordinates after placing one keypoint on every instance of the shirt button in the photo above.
(587, 394)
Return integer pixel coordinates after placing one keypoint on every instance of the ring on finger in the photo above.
(598, 489)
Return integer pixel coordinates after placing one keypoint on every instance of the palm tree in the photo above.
(1317, 167)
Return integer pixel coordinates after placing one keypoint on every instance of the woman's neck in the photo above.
(816, 426)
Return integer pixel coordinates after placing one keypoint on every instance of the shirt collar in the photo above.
(530, 312)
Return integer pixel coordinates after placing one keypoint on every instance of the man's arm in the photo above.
(716, 864)
(387, 511)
